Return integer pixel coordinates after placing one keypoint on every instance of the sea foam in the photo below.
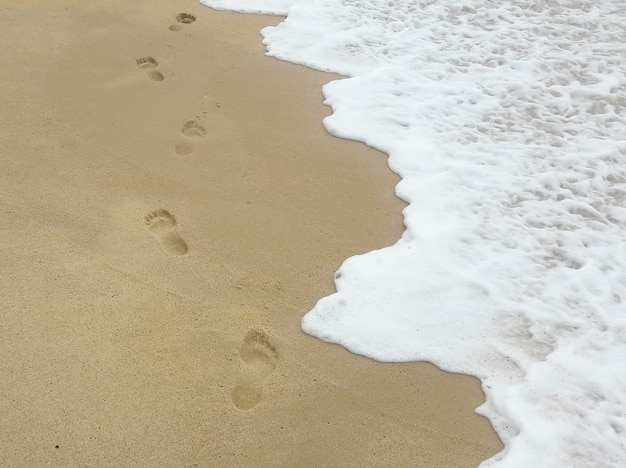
(507, 123)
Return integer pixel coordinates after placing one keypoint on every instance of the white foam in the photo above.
(507, 124)
(268, 7)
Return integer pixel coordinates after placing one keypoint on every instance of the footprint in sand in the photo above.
(163, 226)
(181, 20)
(191, 129)
(149, 64)
(257, 360)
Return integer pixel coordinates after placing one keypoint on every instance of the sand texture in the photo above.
(171, 206)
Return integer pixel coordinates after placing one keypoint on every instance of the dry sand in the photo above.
(171, 206)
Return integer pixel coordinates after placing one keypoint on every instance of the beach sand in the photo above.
(171, 207)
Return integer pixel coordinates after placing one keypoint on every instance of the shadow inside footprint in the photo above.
(163, 226)
(258, 359)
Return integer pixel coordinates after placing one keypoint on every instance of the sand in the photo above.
(171, 207)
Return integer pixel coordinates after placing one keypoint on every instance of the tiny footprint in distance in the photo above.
(181, 20)
(191, 129)
(149, 64)
(163, 226)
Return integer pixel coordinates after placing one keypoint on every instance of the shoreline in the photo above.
(176, 207)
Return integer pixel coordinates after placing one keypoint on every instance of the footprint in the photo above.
(155, 75)
(181, 20)
(191, 129)
(185, 18)
(163, 226)
(258, 359)
(149, 64)
(183, 149)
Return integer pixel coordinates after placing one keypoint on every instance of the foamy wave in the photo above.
(507, 124)
(268, 7)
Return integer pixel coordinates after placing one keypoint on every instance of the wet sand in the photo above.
(172, 207)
